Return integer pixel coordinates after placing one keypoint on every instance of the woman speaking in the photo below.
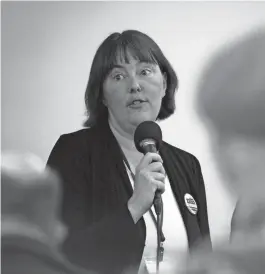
(109, 186)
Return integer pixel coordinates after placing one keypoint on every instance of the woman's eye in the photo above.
(118, 77)
(146, 71)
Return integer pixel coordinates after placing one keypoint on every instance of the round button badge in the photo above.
(191, 204)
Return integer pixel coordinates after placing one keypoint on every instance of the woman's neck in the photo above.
(127, 145)
(125, 139)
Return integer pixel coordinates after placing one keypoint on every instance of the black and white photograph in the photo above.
(133, 137)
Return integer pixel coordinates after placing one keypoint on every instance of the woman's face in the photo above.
(133, 93)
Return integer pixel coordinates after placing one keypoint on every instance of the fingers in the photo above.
(156, 167)
(151, 170)
(158, 176)
(149, 158)
(159, 186)
(157, 180)
(152, 162)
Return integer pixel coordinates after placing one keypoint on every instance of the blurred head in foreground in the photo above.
(30, 199)
(231, 99)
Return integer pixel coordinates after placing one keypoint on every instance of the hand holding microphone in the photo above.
(149, 178)
(150, 173)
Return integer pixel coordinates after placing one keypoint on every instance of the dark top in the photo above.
(96, 189)
(22, 255)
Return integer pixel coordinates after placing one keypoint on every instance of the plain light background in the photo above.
(47, 50)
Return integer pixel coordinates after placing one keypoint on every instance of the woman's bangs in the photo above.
(114, 56)
(122, 52)
(140, 53)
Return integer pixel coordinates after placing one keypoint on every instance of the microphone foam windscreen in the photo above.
(147, 130)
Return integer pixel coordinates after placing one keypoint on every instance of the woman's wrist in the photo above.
(134, 211)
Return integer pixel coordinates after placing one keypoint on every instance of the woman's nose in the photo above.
(135, 86)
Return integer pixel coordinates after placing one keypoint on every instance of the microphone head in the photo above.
(147, 130)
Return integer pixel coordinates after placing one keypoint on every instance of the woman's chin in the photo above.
(136, 120)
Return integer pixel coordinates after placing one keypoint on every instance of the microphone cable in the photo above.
(160, 235)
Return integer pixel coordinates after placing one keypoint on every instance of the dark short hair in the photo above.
(115, 48)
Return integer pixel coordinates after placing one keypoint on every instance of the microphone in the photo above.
(148, 138)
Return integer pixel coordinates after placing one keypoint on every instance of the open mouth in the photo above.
(136, 102)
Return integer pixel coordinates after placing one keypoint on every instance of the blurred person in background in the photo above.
(31, 229)
(231, 100)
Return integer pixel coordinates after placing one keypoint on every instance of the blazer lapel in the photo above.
(177, 172)
(115, 151)
(125, 186)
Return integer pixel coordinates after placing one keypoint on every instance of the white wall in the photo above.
(47, 49)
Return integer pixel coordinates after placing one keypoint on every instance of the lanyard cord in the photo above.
(159, 223)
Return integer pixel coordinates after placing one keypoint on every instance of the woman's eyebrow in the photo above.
(147, 63)
(117, 66)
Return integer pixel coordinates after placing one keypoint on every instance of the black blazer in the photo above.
(96, 189)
